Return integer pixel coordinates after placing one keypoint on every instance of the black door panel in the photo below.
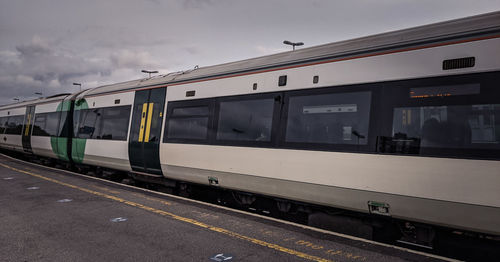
(147, 119)
(27, 127)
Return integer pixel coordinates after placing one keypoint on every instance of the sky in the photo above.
(47, 45)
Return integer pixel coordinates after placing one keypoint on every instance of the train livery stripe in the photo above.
(148, 123)
(143, 121)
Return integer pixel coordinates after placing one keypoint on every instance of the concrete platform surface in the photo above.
(55, 215)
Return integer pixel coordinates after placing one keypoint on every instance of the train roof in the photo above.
(54, 98)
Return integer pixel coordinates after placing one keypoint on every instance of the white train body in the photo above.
(341, 125)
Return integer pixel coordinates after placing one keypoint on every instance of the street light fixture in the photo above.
(78, 84)
(286, 42)
(149, 72)
(38, 93)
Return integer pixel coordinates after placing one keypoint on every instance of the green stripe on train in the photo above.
(60, 144)
(78, 144)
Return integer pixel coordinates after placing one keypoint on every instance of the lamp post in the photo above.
(78, 84)
(293, 44)
(149, 72)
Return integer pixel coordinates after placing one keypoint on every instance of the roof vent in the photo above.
(459, 63)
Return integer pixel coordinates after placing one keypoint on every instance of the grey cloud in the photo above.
(40, 66)
(188, 4)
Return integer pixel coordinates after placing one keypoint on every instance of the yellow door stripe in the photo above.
(27, 125)
(143, 121)
(180, 218)
(148, 125)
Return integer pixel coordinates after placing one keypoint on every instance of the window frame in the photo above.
(20, 127)
(373, 124)
(278, 100)
(397, 96)
(46, 114)
(99, 123)
(172, 105)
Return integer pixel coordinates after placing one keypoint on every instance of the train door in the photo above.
(27, 127)
(145, 130)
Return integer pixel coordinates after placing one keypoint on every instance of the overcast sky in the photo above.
(46, 45)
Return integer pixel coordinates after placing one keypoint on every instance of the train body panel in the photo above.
(44, 136)
(110, 154)
(378, 173)
(462, 216)
(396, 66)
(13, 119)
(101, 130)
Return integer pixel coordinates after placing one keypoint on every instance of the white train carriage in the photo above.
(37, 127)
(402, 124)
(51, 125)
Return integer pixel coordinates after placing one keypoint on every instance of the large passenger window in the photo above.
(90, 122)
(109, 123)
(454, 126)
(190, 122)
(332, 118)
(14, 125)
(46, 124)
(245, 120)
(115, 123)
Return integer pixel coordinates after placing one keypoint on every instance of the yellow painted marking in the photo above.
(108, 190)
(153, 199)
(143, 121)
(27, 126)
(179, 218)
(148, 125)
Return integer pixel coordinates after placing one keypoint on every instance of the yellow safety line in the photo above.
(143, 120)
(179, 218)
(148, 125)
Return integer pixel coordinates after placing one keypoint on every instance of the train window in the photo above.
(454, 126)
(63, 130)
(188, 128)
(245, 120)
(90, 121)
(190, 111)
(110, 123)
(333, 118)
(188, 123)
(115, 123)
(46, 124)
(2, 124)
(14, 125)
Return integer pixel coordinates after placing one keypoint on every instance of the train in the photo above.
(401, 126)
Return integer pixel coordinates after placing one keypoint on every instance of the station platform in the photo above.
(48, 214)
